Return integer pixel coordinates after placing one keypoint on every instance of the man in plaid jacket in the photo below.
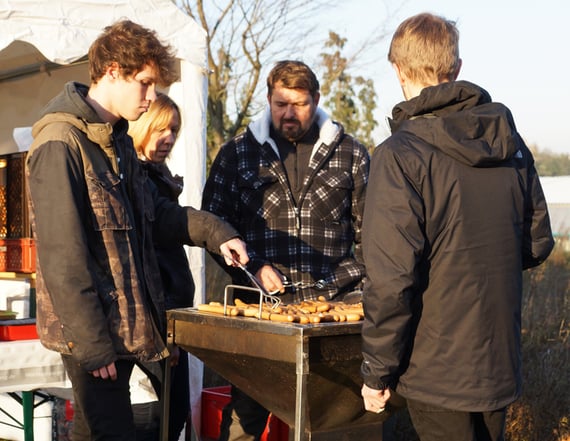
(293, 185)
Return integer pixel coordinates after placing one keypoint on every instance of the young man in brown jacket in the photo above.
(96, 219)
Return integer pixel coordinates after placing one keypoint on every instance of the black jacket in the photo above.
(172, 260)
(454, 213)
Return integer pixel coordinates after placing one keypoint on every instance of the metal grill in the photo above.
(307, 375)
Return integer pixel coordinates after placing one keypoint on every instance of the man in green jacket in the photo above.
(96, 219)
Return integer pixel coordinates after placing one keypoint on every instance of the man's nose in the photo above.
(290, 111)
(151, 93)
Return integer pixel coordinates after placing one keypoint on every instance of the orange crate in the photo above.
(276, 430)
(17, 215)
(18, 329)
(20, 255)
(3, 255)
(214, 399)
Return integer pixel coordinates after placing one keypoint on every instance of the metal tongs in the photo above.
(265, 296)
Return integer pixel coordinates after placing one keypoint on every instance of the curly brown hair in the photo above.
(132, 47)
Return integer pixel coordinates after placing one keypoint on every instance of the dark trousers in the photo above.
(147, 415)
(102, 408)
(433, 423)
(243, 419)
(179, 397)
(147, 420)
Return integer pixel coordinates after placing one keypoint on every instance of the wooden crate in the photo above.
(3, 196)
(18, 219)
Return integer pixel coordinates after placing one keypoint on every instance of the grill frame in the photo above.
(307, 375)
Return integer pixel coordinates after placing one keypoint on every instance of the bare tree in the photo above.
(244, 36)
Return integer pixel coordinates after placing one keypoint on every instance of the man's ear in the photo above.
(316, 98)
(113, 71)
(459, 64)
(399, 74)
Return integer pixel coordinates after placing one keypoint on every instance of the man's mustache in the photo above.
(296, 121)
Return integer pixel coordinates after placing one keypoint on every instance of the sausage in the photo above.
(218, 308)
(284, 318)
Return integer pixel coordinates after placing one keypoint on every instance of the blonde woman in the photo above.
(154, 135)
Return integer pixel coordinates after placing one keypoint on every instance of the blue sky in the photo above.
(517, 50)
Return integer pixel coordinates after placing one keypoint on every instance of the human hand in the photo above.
(375, 400)
(271, 279)
(106, 372)
(234, 252)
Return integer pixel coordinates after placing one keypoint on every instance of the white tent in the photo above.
(43, 44)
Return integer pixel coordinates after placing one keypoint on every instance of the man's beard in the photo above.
(292, 132)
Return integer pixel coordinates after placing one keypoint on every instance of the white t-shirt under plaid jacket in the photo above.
(315, 243)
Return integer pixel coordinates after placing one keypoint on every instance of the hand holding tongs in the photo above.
(275, 301)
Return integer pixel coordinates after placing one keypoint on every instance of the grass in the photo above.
(543, 411)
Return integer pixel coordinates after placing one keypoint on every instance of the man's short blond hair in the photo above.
(426, 49)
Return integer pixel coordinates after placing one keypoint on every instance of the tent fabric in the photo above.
(35, 32)
(63, 30)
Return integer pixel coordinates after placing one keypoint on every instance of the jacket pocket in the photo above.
(117, 320)
(107, 202)
(261, 195)
(334, 196)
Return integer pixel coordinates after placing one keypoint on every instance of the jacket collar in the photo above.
(460, 119)
(328, 130)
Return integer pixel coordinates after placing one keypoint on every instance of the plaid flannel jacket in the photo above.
(314, 243)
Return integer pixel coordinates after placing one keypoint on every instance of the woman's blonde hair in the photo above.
(426, 49)
(158, 116)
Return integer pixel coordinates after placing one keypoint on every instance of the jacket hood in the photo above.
(72, 100)
(70, 107)
(328, 129)
(460, 119)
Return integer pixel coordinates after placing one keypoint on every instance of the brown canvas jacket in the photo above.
(95, 216)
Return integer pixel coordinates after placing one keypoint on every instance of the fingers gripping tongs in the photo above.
(265, 296)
